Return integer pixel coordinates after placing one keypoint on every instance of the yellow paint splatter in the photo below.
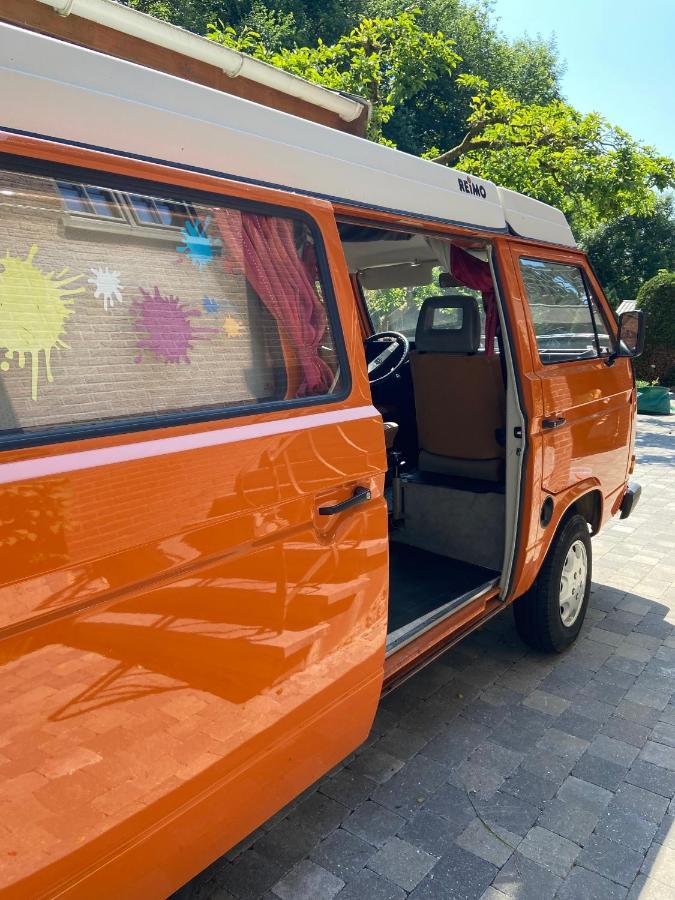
(231, 327)
(34, 307)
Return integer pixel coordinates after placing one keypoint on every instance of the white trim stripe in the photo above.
(104, 456)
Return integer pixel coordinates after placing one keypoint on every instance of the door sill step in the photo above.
(402, 636)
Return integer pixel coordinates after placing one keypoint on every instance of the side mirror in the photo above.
(631, 333)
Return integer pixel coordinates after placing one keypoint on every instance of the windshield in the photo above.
(397, 308)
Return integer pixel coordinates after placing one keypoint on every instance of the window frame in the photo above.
(590, 296)
(92, 215)
(127, 222)
(138, 424)
(135, 221)
(594, 302)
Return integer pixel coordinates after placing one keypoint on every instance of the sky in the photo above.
(620, 57)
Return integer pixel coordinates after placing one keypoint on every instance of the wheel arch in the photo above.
(588, 505)
(585, 499)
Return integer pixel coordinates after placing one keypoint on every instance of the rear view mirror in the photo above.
(446, 280)
(631, 333)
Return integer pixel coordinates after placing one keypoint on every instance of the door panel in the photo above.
(186, 643)
(219, 637)
(591, 443)
(585, 418)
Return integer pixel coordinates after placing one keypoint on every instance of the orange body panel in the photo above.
(187, 644)
(591, 451)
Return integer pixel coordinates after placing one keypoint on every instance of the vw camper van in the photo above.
(283, 415)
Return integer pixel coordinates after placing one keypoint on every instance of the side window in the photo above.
(225, 311)
(567, 319)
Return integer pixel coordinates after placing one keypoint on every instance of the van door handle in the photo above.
(360, 495)
(554, 422)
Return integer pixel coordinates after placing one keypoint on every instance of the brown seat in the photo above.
(459, 393)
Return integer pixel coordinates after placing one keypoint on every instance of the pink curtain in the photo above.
(263, 248)
(476, 274)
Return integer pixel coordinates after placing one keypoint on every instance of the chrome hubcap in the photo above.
(573, 583)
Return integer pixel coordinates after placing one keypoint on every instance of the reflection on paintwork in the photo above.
(62, 525)
(208, 613)
(598, 421)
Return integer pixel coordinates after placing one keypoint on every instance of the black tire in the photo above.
(538, 616)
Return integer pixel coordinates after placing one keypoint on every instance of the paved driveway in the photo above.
(501, 772)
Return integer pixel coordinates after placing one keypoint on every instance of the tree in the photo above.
(591, 170)
(388, 61)
(435, 114)
(631, 249)
(528, 69)
(445, 84)
(304, 21)
(656, 298)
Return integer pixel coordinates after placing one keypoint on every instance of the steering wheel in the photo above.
(386, 352)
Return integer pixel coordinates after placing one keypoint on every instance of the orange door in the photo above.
(193, 627)
(584, 417)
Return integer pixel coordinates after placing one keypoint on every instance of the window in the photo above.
(398, 308)
(90, 201)
(567, 320)
(104, 329)
(130, 209)
(150, 211)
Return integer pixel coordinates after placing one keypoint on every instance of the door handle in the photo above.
(554, 422)
(360, 495)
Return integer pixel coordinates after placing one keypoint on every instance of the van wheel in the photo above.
(550, 615)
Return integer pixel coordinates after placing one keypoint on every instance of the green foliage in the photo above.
(528, 69)
(395, 309)
(435, 113)
(191, 14)
(657, 300)
(446, 84)
(304, 21)
(580, 163)
(628, 251)
(387, 61)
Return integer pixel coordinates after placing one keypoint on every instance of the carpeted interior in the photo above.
(420, 581)
(459, 524)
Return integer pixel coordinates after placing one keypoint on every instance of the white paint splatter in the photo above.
(108, 286)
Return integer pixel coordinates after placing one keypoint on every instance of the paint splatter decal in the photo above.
(231, 327)
(167, 324)
(196, 243)
(210, 305)
(108, 286)
(34, 307)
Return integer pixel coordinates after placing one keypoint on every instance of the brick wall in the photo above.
(234, 350)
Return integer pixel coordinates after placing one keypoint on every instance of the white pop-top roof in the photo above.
(61, 91)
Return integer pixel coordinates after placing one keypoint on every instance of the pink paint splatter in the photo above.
(168, 326)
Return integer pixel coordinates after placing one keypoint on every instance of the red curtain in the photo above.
(476, 274)
(263, 248)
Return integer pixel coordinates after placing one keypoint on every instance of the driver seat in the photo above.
(460, 400)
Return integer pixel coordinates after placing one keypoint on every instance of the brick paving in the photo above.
(499, 772)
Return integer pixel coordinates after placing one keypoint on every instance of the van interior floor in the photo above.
(420, 581)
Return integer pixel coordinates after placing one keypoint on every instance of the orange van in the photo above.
(283, 415)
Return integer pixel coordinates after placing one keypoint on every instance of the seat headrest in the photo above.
(449, 324)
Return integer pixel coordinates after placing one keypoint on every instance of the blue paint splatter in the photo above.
(210, 305)
(197, 245)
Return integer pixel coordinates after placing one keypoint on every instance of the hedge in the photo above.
(656, 298)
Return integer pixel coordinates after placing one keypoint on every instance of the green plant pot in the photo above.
(653, 400)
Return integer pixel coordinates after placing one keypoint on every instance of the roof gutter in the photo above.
(233, 63)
